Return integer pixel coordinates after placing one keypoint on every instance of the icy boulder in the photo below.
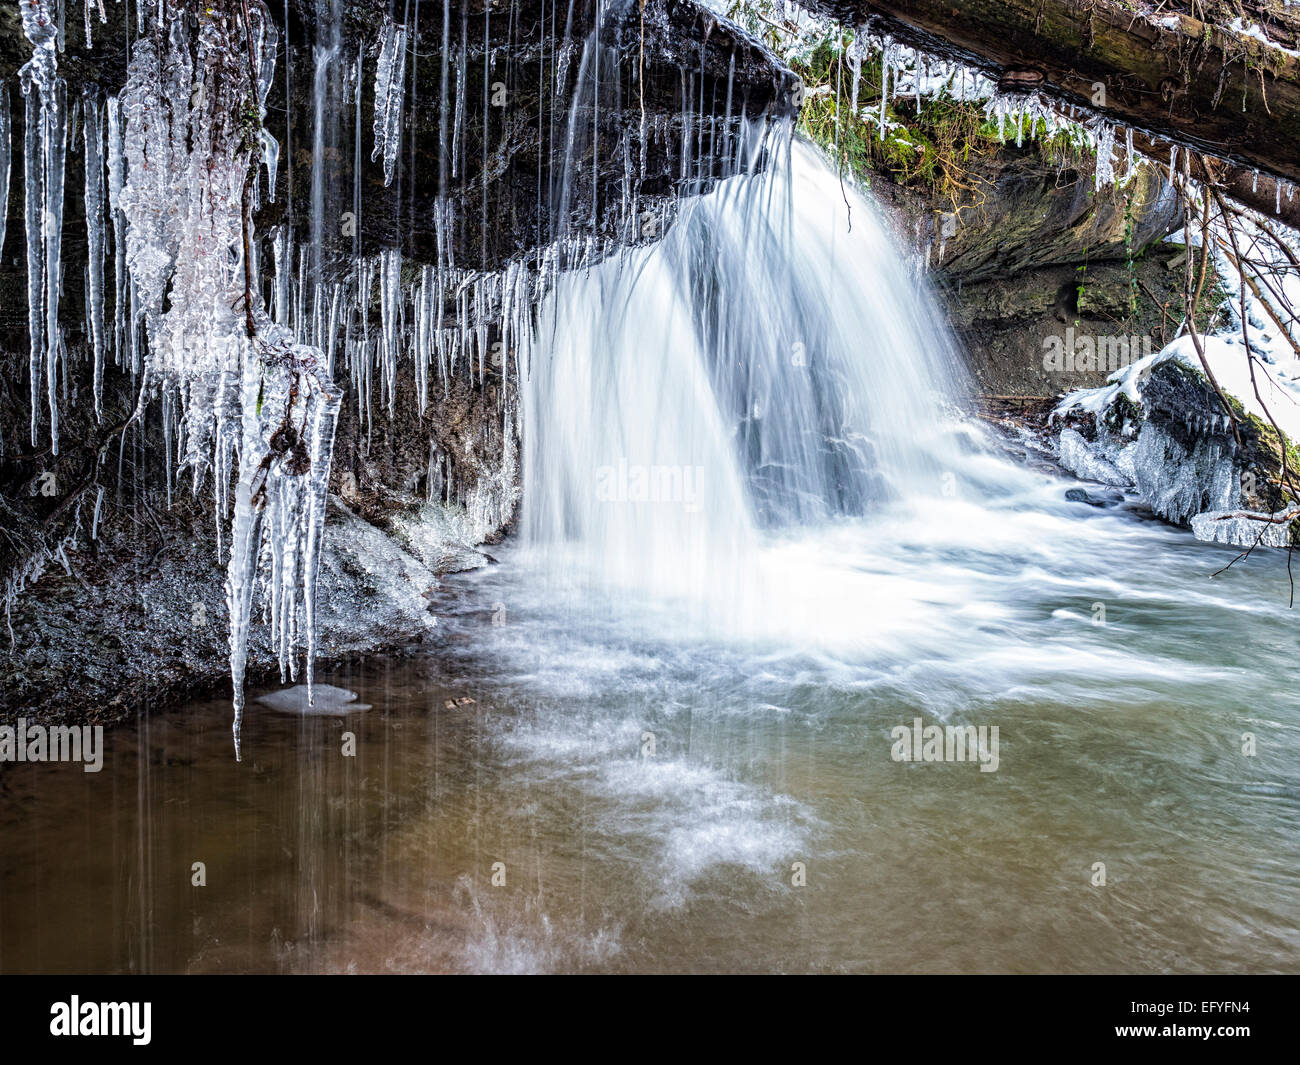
(1178, 481)
(1229, 527)
(1191, 463)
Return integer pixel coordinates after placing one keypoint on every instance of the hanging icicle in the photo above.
(93, 139)
(390, 91)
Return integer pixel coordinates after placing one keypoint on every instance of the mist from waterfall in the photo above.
(770, 363)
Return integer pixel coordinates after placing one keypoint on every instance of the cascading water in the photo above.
(765, 365)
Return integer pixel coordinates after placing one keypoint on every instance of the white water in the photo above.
(749, 433)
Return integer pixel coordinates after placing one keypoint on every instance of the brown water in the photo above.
(1118, 744)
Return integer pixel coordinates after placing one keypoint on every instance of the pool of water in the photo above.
(576, 779)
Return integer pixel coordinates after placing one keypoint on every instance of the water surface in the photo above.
(649, 789)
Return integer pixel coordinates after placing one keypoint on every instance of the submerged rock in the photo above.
(1094, 499)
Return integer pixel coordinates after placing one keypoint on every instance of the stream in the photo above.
(662, 732)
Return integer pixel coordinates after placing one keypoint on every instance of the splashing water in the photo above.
(765, 366)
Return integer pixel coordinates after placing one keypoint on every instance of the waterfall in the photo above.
(769, 363)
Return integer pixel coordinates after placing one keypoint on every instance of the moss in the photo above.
(1270, 438)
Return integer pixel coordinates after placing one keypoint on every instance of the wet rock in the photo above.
(1037, 249)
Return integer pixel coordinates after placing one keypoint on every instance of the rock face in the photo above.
(1037, 260)
(520, 126)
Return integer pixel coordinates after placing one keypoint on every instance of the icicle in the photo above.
(116, 179)
(99, 509)
(855, 62)
(390, 90)
(271, 157)
(1104, 172)
(6, 148)
(44, 147)
(91, 6)
(886, 56)
(459, 114)
(93, 134)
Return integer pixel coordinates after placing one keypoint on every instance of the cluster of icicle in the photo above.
(248, 404)
(446, 319)
(45, 144)
(44, 148)
(259, 407)
(906, 71)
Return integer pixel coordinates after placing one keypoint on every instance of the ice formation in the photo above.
(258, 407)
(390, 90)
(325, 700)
(44, 147)
(1196, 483)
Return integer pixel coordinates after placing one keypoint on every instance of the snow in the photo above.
(1256, 31)
(1226, 359)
